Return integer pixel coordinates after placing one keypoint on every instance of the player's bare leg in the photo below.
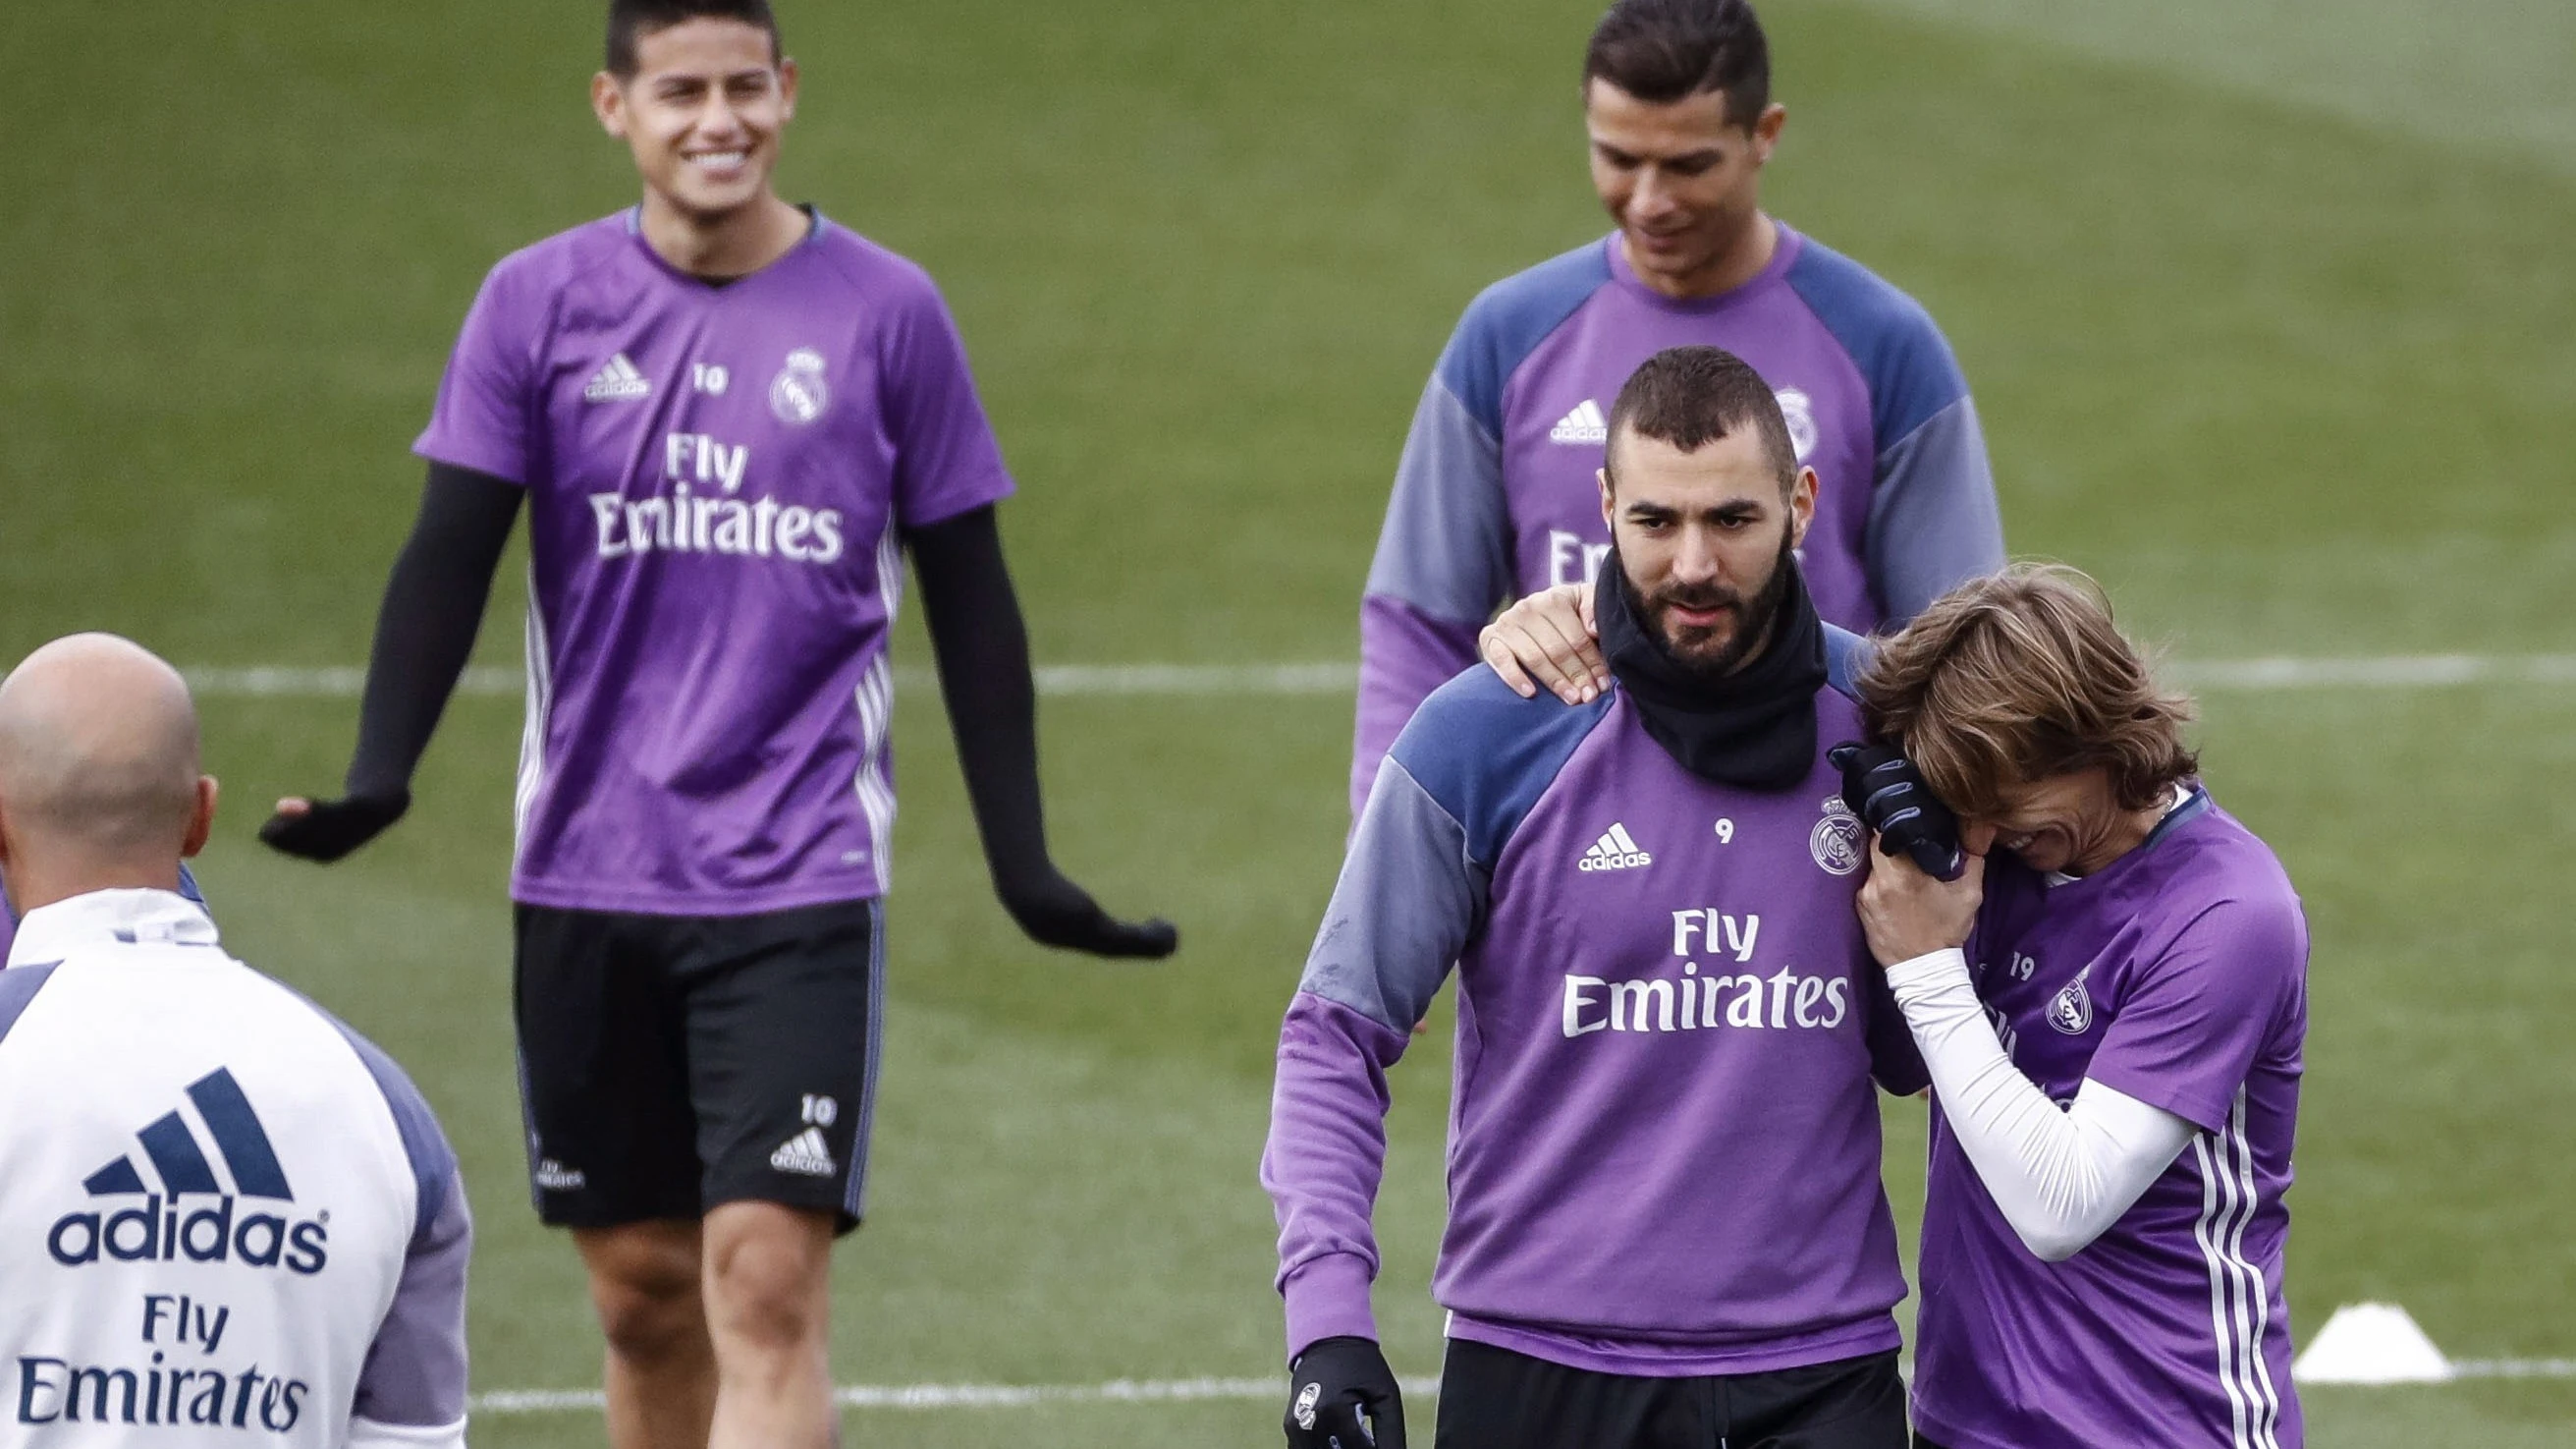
(645, 1284)
(769, 1302)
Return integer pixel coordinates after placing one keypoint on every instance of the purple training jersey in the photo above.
(1663, 1138)
(1495, 496)
(2177, 975)
(717, 477)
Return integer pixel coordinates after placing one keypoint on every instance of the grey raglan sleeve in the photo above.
(1933, 520)
(411, 1389)
(411, 1393)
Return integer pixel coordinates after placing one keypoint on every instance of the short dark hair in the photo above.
(1661, 51)
(1691, 396)
(629, 21)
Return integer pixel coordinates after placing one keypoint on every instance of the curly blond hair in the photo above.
(2018, 676)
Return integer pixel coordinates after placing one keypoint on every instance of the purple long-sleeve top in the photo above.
(1664, 1141)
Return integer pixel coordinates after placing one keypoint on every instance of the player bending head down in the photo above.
(2030, 716)
(2116, 1077)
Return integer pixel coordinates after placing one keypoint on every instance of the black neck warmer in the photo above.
(1755, 728)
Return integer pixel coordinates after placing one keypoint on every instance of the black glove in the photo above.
(333, 828)
(1056, 912)
(1341, 1395)
(1882, 787)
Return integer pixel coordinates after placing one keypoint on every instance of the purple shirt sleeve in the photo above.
(1408, 898)
(2192, 1021)
(947, 461)
(8, 924)
(486, 400)
(414, 1376)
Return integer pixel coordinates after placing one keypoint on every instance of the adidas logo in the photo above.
(617, 381)
(156, 1232)
(804, 1154)
(1615, 850)
(1583, 425)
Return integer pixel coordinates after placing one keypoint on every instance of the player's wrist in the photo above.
(1327, 1298)
(1930, 974)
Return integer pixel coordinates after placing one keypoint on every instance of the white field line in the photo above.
(2371, 672)
(503, 1402)
(961, 1396)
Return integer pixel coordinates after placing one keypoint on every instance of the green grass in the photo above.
(2283, 361)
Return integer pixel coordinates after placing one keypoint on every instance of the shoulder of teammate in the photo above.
(1508, 321)
(527, 280)
(481, 418)
(1912, 374)
(2221, 988)
(1485, 755)
(1846, 655)
(898, 289)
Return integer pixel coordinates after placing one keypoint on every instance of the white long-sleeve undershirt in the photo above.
(2061, 1176)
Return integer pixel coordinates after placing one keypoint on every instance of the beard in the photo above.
(1689, 647)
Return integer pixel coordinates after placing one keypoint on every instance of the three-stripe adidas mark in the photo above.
(1583, 425)
(172, 1149)
(162, 1228)
(1615, 850)
(805, 1154)
(617, 381)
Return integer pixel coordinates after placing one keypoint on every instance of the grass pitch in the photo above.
(2264, 334)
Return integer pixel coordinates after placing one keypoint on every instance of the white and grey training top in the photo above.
(224, 1216)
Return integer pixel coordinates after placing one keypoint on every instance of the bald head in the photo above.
(99, 784)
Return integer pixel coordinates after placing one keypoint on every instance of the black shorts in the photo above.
(1493, 1398)
(670, 1064)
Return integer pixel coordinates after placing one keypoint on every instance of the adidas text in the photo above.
(1615, 850)
(804, 1154)
(1583, 425)
(157, 1232)
(617, 381)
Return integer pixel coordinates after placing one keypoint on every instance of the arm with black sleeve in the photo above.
(982, 646)
(433, 607)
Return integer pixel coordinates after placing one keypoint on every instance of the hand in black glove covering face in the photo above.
(1883, 788)
(1341, 1395)
(325, 830)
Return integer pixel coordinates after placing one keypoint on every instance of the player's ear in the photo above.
(1802, 506)
(608, 102)
(1602, 476)
(201, 819)
(1766, 131)
(787, 89)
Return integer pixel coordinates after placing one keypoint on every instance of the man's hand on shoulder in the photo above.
(1056, 912)
(1548, 639)
(1341, 1395)
(326, 830)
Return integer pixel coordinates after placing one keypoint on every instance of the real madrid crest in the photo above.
(798, 394)
(1838, 842)
(2071, 1010)
(1800, 412)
